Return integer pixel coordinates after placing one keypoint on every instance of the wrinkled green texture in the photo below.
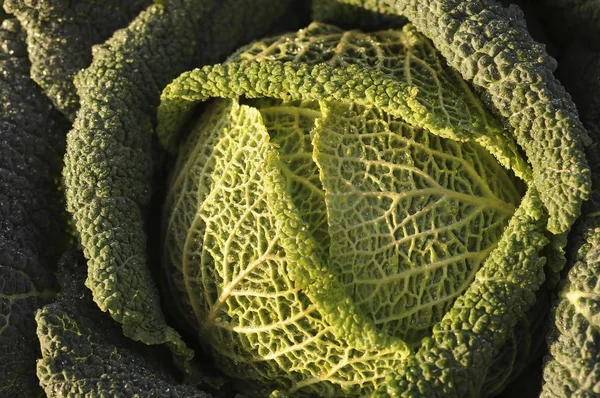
(108, 163)
(572, 368)
(83, 352)
(31, 217)
(382, 76)
(247, 258)
(60, 35)
(490, 47)
(361, 344)
(517, 368)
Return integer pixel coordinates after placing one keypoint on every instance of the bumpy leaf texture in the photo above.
(297, 304)
(491, 47)
(60, 35)
(108, 163)
(573, 366)
(84, 352)
(401, 74)
(31, 217)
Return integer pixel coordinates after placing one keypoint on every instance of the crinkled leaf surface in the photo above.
(254, 278)
(572, 368)
(257, 277)
(412, 216)
(396, 70)
(108, 164)
(32, 227)
(85, 354)
(491, 47)
(257, 317)
(60, 35)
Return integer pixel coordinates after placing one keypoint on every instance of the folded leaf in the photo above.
(491, 47)
(60, 35)
(108, 162)
(572, 367)
(32, 221)
(85, 354)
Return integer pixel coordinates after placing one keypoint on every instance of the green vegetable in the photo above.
(572, 368)
(32, 228)
(490, 47)
(355, 233)
(60, 35)
(108, 164)
(373, 212)
(85, 354)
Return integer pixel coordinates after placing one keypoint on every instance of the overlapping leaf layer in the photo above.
(327, 235)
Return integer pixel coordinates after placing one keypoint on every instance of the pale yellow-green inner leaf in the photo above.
(236, 274)
(411, 216)
(314, 244)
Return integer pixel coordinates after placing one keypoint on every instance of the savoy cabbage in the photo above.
(342, 198)
(366, 209)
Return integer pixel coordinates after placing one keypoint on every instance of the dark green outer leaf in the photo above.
(518, 366)
(491, 47)
(60, 35)
(108, 164)
(31, 215)
(573, 367)
(85, 354)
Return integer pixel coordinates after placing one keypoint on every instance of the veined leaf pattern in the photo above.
(412, 216)
(239, 278)
(283, 297)
(406, 78)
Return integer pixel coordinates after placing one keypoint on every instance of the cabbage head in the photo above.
(346, 218)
